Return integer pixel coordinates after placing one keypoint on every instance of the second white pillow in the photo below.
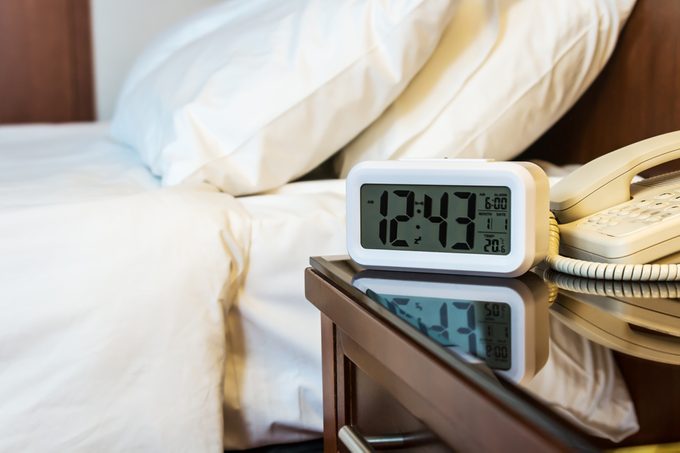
(504, 72)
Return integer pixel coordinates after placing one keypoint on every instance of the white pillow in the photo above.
(252, 94)
(502, 74)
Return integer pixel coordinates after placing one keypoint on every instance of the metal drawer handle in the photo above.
(356, 443)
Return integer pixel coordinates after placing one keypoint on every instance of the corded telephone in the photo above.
(606, 219)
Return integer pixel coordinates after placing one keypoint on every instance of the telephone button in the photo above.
(654, 219)
(664, 195)
(643, 202)
(623, 229)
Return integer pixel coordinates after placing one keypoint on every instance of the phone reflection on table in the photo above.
(590, 320)
(500, 321)
(641, 319)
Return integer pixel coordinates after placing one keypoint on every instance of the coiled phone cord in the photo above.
(609, 288)
(605, 271)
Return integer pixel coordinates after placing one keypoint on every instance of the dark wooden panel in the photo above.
(330, 393)
(635, 97)
(655, 394)
(45, 61)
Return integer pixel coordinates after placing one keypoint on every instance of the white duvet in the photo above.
(116, 296)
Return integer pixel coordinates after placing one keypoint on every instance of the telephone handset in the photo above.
(606, 181)
(606, 219)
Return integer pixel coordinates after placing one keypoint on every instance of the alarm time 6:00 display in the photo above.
(460, 216)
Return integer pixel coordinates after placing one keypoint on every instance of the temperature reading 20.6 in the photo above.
(494, 246)
(453, 219)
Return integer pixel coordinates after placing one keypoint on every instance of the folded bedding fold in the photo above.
(112, 330)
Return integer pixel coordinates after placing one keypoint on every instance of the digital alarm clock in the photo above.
(464, 216)
(503, 322)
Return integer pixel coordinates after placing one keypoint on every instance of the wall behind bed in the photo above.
(120, 31)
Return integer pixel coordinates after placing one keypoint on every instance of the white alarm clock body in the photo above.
(463, 216)
(507, 328)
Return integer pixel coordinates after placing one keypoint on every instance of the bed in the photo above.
(117, 293)
(151, 302)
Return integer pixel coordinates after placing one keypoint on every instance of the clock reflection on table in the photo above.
(503, 322)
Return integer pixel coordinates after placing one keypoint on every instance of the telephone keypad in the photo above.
(636, 215)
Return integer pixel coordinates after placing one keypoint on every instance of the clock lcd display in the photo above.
(429, 218)
(481, 329)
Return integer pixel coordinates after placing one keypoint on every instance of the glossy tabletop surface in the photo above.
(602, 360)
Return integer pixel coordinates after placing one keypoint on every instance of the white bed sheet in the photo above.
(272, 387)
(50, 164)
(115, 293)
(111, 293)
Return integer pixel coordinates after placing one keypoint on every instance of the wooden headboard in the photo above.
(45, 61)
(636, 96)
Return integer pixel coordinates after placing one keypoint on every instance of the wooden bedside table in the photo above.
(387, 384)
